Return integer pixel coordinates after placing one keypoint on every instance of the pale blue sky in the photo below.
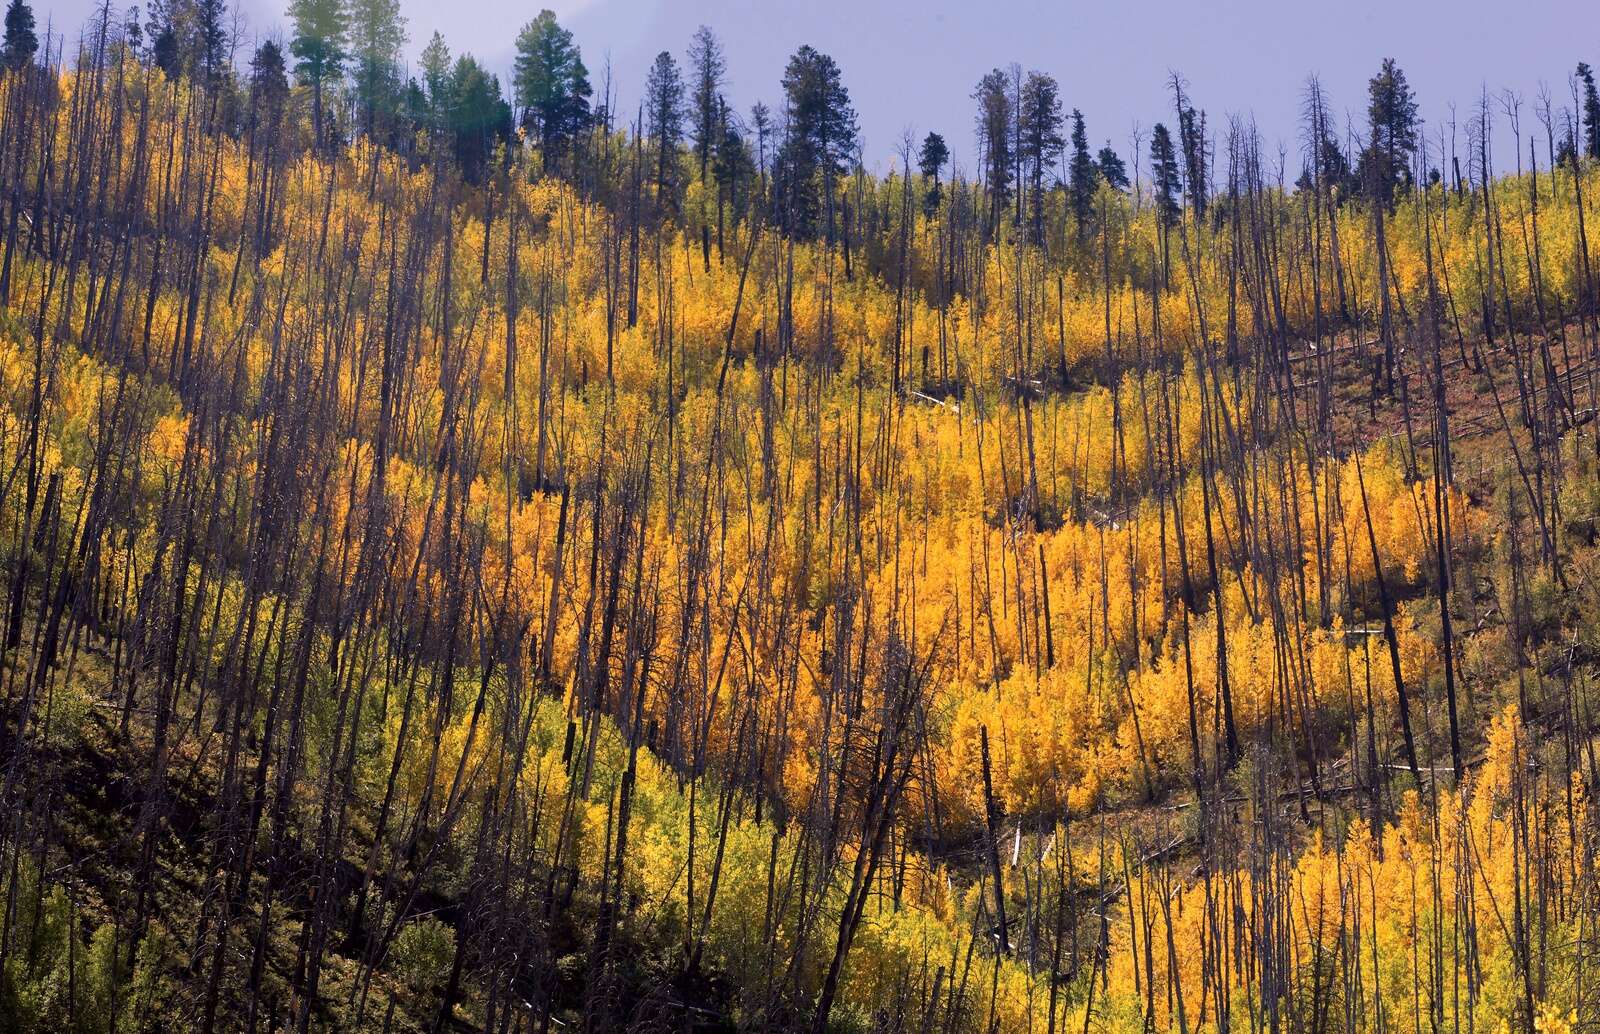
(913, 65)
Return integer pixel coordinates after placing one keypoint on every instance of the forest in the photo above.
(477, 558)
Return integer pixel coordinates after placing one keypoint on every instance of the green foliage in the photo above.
(664, 121)
(321, 36)
(269, 85)
(21, 41)
(1591, 111)
(931, 160)
(1392, 121)
(1084, 175)
(1112, 169)
(422, 952)
(996, 110)
(480, 118)
(552, 83)
(820, 141)
(59, 977)
(708, 64)
(377, 32)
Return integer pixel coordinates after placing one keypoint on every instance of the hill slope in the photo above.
(489, 606)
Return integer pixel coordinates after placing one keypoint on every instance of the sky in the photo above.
(911, 66)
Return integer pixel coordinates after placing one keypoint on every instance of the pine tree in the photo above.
(552, 84)
(211, 38)
(995, 113)
(1385, 166)
(761, 123)
(1192, 137)
(1083, 177)
(664, 119)
(20, 40)
(133, 31)
(1567, 150)
(821, 137)
(165, 53)
(1164, 172)
(415, 109)
(321, 28)
(436, 80)
(708, 65)
(479, 116)
(166, 50)
(1392, 118)
(377, 32)
(1336, 171)
(1591, 108)
(269, 86)
(1111, 168)
(732, 165)
(1039, 137)
(930, 160)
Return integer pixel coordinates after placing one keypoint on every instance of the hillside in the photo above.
(560, 582)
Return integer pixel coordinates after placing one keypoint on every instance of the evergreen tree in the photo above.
(269, 87)
(707, 63)
(1111, 168)
(133, 31)
(732, 164)
(930, 160)
(1165, 177)
(211, 38)
(1385, 167)
(1591, 108)
(1567, 150)
(436, 81)
(377, 32)
(166, 51)
(664, 119)
(1083, 177)
(1039, 137)
(321, 28)
(552, 84)
(21, 42)
(1392, 117)
(761, 123)
(1336, 169)
(995, 112)
(479, 117)
(820, 138)
(418, 112)
(1192, 137)
(1164, 172)
(168, 26)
